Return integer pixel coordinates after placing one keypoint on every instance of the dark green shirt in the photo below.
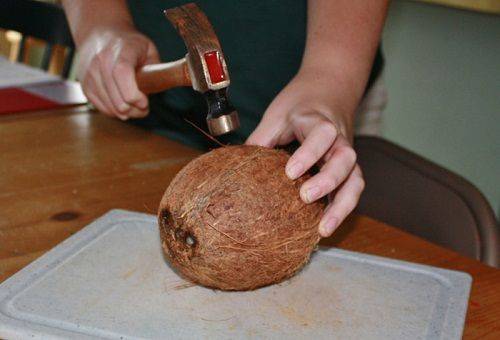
(263, 42)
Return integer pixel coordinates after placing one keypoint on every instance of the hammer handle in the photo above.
(160, 77)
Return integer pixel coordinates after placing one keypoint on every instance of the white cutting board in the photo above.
(110, 281)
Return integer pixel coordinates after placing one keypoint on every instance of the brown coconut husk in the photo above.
(231, 219)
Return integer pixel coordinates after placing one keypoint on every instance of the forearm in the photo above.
(342, 38)
(87, 16)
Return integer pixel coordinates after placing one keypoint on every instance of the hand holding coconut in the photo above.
(307, 113)
(317, 107)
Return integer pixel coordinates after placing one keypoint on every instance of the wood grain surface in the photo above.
(61, 170)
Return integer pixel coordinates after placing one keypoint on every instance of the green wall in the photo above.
(443, 79)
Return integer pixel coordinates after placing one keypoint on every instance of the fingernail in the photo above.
(327, 226)
(294, 170)
(123, 117)
(124, 107)
(311, 194)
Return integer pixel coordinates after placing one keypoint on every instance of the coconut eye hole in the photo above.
(165, 219)
(185, 237)
(190, 240)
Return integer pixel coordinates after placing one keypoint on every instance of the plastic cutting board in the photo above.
(110, 281)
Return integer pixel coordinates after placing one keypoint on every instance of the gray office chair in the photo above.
(407, 191)
(41, 20)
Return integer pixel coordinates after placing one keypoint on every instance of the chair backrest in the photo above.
(405, 190)
(41, 20)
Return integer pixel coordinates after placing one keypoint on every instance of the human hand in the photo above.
(107, 65)
(308, 110)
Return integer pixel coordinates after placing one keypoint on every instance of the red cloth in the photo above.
(14, 99)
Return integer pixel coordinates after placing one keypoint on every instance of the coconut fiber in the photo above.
(231, 219)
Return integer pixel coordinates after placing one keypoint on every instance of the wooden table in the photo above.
(60, 170)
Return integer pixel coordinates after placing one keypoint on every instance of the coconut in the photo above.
(231, 219)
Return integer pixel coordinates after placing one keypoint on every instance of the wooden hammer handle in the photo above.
(160, 77)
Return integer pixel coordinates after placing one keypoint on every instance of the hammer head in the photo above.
(207, 66)
(221, 117)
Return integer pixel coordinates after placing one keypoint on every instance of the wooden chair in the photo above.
(403, 189)
(41, 20)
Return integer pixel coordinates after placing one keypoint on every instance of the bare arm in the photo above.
(317, 107)
(342, 38)
(86, 16)
(110, 50)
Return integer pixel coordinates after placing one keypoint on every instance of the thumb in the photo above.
(268, 132)
(152, 55)
(272, 127)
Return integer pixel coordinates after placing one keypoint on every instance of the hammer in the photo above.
(203, 68)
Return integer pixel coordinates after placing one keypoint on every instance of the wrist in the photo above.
(336, 78)
(103, 30)
(335, 94)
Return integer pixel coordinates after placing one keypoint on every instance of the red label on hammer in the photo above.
(214, 65)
